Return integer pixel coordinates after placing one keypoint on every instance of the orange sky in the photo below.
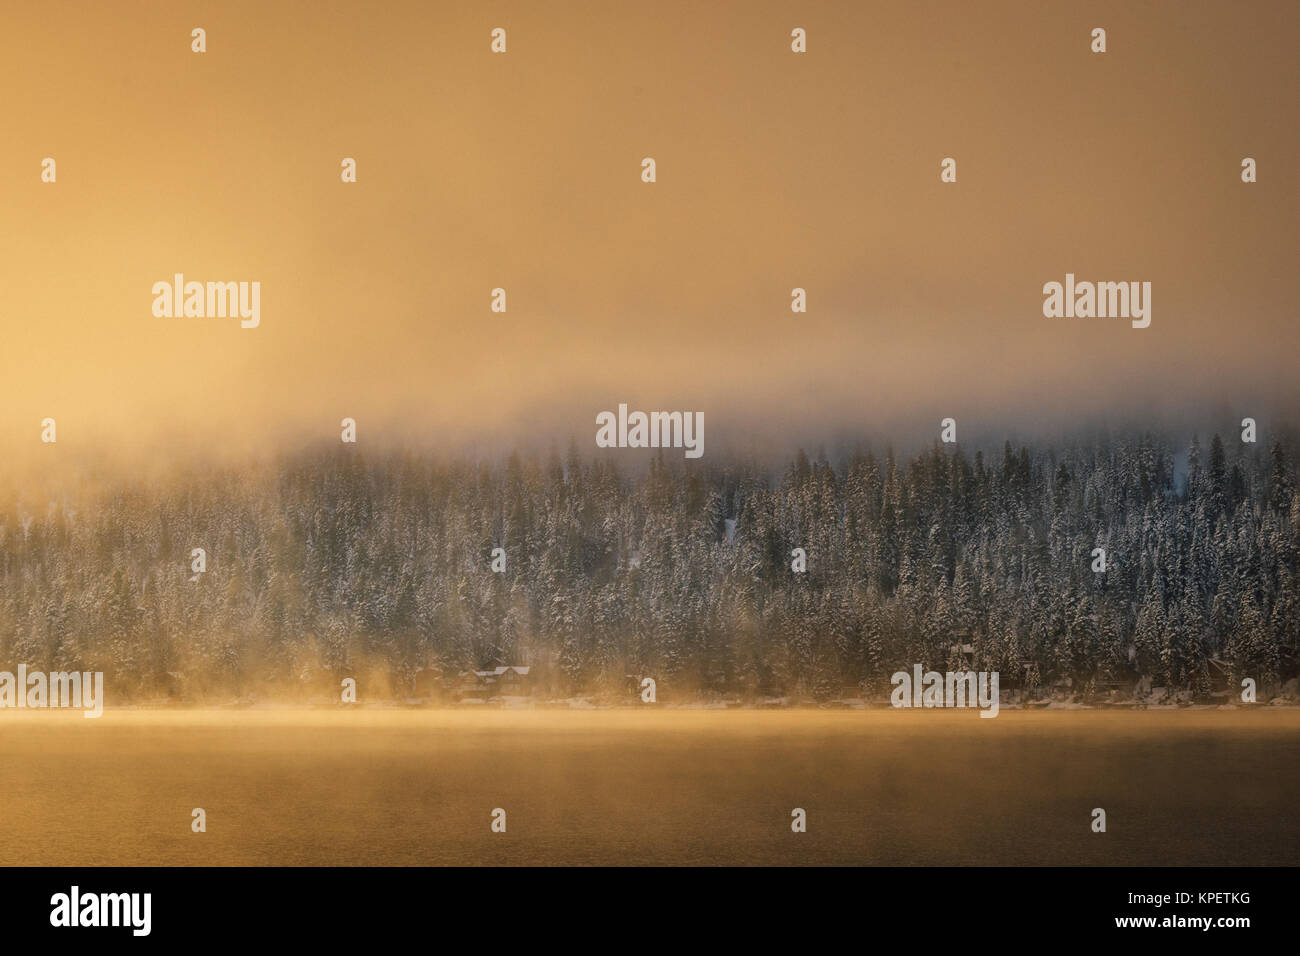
(775, 170)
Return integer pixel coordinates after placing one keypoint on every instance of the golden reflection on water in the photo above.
(379, 787)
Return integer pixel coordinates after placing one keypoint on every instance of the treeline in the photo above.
(333, 563)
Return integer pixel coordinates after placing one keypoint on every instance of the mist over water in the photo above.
(676, 787)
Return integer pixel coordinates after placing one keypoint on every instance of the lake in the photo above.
(418, 787)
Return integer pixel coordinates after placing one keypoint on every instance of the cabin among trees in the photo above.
(508, 681)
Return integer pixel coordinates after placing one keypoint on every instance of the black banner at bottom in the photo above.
(729, 906)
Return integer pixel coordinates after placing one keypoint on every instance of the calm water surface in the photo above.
(665, 787)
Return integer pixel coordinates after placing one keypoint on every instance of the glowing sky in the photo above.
(522, 171)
